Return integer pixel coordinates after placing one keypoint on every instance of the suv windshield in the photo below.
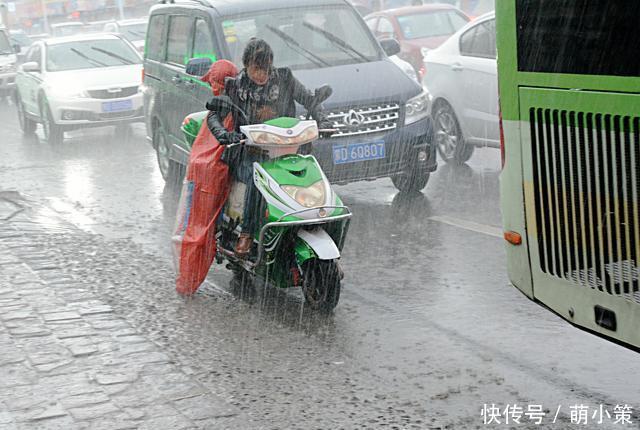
(304, 38)
(5, 46)
(431, 24)
(89, 54)
(134, 32)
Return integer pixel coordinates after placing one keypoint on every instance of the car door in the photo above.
(203, 46)
(29, 83)
(178, 96)
(478, 69)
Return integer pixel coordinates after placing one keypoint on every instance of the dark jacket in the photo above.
(275, 99)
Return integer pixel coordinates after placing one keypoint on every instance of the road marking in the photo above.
(489, 230)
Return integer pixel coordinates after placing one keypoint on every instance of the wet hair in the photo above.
(257, 53)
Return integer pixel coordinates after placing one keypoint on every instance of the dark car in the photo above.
(323, 42)
(417, 28)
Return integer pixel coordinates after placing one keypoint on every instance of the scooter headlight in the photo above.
(262, 138)
(309, 197)
(309, 134)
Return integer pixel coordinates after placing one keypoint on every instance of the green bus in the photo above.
(569, 84)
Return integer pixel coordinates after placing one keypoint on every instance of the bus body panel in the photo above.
(570, 186)
(513, 214)
(583, 189)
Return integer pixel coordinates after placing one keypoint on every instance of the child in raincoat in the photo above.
(204, 194)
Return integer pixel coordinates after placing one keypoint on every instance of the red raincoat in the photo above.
(208, 178)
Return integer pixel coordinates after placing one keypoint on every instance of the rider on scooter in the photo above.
(263, 92)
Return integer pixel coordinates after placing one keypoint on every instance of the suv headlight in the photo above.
(309, 197)
(417, 108)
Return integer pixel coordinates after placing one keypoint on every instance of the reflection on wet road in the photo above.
(427, 331)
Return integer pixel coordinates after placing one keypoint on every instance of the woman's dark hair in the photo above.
(257, 53)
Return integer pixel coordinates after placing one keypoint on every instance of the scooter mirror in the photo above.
(322, 93)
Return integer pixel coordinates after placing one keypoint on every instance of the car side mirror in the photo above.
(31, 67)
(17, 48)
(390, 46)
(198, 66)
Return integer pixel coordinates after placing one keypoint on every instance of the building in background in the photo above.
(34, 16)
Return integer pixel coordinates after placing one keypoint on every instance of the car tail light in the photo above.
(423, 72)
(142, 77)
(502, 155)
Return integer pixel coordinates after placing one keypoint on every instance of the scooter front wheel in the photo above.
(321, 284)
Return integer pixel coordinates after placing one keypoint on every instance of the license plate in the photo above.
(354, 152)
(117, 106)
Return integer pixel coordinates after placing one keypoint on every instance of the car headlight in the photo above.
(309, 197)
(309, 134)
(417, 108)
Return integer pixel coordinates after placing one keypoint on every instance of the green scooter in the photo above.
(304, 223)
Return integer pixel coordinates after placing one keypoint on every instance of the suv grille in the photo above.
(115, 93)
(378, 118)
(587, 197)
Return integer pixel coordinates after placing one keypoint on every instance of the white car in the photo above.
(134, 30)
(78, 82)
(8, 60)
(461, 76)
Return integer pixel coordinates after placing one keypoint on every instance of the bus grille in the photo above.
(586, 185)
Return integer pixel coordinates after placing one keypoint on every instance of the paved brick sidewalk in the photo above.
(68, 361)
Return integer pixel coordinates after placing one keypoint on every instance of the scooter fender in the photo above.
(318, 242)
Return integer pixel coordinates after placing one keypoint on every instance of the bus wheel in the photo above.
(449, 140)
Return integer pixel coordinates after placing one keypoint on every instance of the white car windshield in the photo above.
(134, 32)
(431, 24)
(90, 54)
(304, 38)
(5, 46)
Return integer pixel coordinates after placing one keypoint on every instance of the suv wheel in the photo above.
(168, 168)
(411, 182)
(449, 140)
(27, 125)
(53, 133)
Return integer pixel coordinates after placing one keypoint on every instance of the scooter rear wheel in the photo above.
(321, 284)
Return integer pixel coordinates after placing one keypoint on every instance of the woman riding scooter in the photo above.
(263, 92)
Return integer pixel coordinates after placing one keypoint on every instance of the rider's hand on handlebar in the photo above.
(235, 137)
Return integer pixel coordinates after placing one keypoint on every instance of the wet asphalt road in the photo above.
(427, 331)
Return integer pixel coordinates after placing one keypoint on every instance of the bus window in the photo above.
(587, 37)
